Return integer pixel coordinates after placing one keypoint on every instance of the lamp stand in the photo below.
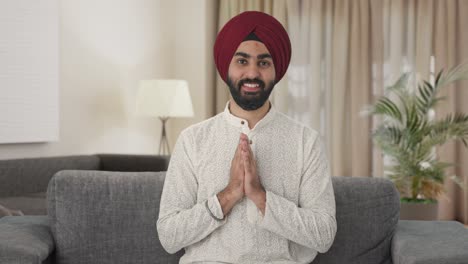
(164, 143)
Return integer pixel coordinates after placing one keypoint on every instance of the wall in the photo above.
(195, 35)
(105, 48)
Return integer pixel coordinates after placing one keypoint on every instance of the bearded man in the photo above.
(249, 185)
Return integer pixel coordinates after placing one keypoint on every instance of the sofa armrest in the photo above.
(430, 242)
(25, 239)
(133, 163)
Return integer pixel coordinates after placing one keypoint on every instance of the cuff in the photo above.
(214, 208)
(265, 221)
(254, 215)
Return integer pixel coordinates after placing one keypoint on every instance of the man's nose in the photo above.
(252, 71)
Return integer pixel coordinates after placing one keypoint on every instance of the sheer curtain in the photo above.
(427, 36)
(330, 78)
(450, 47)
(345, 53)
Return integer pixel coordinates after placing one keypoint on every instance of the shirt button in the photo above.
(242, 122)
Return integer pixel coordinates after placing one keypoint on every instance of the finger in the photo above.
(239, 148)
(249, 152)
(237, 160)
(243, 136)
(247, 172)
(244, 140)
(252, 160)
(241, 144)
(239, 157)
(246, 157)
(249, 148)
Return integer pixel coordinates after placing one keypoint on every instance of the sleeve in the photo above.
(182, 221)
(312, 222)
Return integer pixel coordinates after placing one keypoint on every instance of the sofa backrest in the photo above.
(133, 162)
(23, 182)
(31, 175)
(110, 217)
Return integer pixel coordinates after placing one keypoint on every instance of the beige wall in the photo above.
(195, 35)
(105, 48)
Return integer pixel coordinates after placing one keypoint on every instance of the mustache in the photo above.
(260, 83)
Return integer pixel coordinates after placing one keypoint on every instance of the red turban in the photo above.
(266, 28)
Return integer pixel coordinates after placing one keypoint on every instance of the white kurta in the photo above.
(299, 218)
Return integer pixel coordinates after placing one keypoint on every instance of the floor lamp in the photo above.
(164, 99)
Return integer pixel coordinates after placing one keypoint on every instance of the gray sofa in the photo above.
(23, 182)
(104, 210)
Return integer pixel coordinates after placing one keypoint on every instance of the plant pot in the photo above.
(418, 211)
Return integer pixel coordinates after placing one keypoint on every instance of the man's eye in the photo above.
(264, 63)
(241, 61)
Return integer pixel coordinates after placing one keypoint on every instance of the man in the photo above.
(249, 185)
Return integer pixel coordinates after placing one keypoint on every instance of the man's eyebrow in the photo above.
(264, 56)
(242, 54)
(247, 56)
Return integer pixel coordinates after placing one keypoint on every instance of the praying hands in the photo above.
(244, 180)
(252, 185)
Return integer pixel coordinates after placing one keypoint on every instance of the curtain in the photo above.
(450, 47)
(330, 78)
(425, 37)
(343, 55)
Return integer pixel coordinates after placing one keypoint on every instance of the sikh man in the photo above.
(249, 185)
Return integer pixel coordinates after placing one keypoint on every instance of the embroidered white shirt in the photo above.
(299, 218)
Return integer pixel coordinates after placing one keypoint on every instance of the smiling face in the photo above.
(251, 75)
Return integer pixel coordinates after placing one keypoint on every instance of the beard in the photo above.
(250, 101)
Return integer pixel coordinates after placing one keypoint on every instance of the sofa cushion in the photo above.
(447, 241)
(367, 213)
(104, 217)
(25, 239)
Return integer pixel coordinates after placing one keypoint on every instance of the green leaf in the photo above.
(438, 77)
(409, 137)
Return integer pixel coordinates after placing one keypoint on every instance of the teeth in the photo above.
(251, 85)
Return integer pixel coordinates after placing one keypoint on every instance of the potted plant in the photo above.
(408, 135)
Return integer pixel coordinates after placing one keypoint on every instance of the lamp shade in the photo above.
(164, 98)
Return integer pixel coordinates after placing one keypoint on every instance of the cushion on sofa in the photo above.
(96, 215)
(430, 242)
(366, 220)
(25, 239)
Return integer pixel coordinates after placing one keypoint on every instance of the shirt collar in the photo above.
(243, 123)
